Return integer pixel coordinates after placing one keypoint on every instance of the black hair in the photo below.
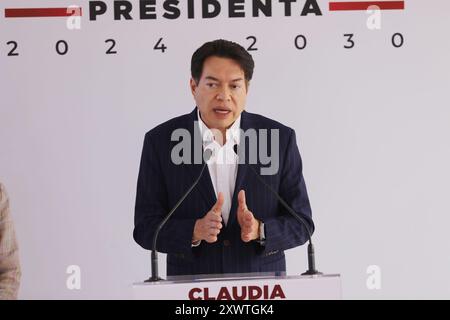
(224, 49)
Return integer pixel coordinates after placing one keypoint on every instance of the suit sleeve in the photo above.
(284, 231)
(152, 206)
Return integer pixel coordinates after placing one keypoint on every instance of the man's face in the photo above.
(221, 92)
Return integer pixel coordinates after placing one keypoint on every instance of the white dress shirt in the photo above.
(223, 163)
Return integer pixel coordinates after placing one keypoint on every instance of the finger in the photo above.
(215, 225)
(248, 216)
(245, 237)
(213, 217)
(213, 232)
(217, 208)
(241, 200)
(247, 223)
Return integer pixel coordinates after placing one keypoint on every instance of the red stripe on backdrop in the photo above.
(364, 5)
(41, 12)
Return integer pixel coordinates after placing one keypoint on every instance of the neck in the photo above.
(220, 134)
(223, 132)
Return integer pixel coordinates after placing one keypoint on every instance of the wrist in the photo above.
(261, 233)
(195, 235)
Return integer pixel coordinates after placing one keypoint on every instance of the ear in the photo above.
(193, 86)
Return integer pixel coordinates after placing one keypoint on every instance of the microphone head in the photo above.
(235, 149)
(207, 154)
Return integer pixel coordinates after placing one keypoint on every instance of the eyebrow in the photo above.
(215, 79)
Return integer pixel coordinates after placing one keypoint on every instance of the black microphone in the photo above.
(155, 277)
(311, 256)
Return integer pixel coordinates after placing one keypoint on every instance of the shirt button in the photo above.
(226, 243)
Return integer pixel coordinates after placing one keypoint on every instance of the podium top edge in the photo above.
(232, 277)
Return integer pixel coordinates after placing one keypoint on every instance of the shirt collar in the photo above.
(232, 133)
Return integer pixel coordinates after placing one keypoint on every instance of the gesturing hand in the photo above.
(208, 227)
(249, 224)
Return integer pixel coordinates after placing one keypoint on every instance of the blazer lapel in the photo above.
(241, 173)
(204, 186)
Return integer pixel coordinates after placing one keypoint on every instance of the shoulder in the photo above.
(257, 121)
(165, 129)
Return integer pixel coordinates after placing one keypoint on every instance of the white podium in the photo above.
(250, 286)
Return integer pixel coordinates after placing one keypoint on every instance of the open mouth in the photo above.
(222, 111)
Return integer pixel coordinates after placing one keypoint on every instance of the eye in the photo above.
(211, 85)
(235, 86)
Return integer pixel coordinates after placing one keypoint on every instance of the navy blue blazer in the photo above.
(161, 183)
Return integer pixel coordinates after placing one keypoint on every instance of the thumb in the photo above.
(218, 206)
(241, 200)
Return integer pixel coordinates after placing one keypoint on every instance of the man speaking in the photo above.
(230, 222)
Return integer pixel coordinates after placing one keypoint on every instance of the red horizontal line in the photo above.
(41, 12)
(364, 5)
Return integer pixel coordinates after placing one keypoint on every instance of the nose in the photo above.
(224, 94)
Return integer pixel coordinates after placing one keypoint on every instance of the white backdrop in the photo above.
(372, 124)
